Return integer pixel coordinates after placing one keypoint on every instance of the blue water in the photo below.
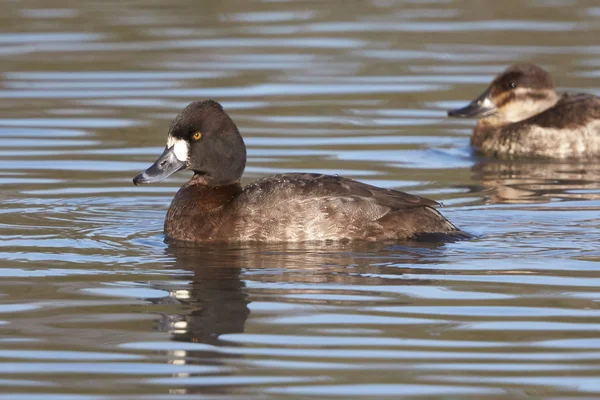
(94, 304)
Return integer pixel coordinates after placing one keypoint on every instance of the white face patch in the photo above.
(180, 148)
(170, 141)
(487, 103)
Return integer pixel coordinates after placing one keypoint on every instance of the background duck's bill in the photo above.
(166, 165)
(480, 107)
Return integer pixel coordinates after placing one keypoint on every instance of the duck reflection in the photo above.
(218, 284)
(216, 297)
(530, 181)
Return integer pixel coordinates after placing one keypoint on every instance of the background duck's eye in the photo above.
(197, 136)
(513, 85)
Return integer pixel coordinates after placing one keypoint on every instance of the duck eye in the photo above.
(513, 85)
(197, 136)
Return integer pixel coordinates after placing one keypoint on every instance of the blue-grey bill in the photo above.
(166, 165)
(480, 107)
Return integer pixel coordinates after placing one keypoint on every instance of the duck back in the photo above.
(302, 207)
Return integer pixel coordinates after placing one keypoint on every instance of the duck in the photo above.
(521, 116)
(213, 206)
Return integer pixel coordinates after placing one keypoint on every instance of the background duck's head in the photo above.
(204, 139)
(521, 91)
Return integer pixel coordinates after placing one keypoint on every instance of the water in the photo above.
(95, 305)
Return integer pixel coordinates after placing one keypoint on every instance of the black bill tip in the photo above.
(140, 179)
(457, 113)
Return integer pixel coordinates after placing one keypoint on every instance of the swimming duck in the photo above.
(213, 206)
(522, 116)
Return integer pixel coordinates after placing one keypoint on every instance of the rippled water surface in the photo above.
(95, 305)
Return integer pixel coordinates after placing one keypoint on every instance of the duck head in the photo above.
(203, 139)
(521, 91)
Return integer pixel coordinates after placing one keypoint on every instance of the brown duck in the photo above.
(522, 116)
(213, 206)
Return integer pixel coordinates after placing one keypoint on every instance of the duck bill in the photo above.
(166, 165)
(482, 106)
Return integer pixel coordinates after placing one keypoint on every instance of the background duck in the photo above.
(522, 116)
(213, 206)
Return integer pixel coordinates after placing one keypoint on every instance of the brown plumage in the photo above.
(300, 207)
(213, 206)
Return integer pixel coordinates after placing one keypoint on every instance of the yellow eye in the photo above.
(197, 136)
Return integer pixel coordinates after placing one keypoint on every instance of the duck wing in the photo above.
(332, 186)
(305, 207)
(572, 110)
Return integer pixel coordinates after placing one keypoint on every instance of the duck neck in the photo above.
(195, 209)
(485, 127)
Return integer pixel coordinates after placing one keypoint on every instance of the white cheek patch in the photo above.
(170, 141)
(180, 148)
(487, 103)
